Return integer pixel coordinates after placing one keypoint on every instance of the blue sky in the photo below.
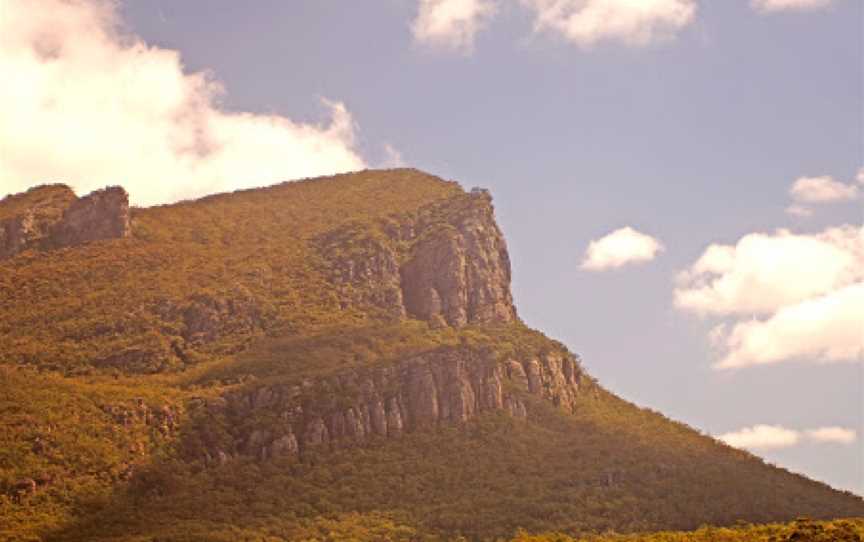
(687, 121)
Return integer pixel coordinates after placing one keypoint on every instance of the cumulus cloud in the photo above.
(860, 175)
(763, 272)
(828, 328)
(772, 6)
(803, 294)
(451, 24)
(635, 23)
(767, 437)
(91, 105)
(621, 247)
(822, 189)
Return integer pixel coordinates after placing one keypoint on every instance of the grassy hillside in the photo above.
(105, 348)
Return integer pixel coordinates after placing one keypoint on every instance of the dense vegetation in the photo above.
(801, 530)
(104, 347)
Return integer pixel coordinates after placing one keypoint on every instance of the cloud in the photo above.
(761, 437)
(771, 6)
(838, 435)
(785, 297)
(860, 176)
(767, 437)
(451, 24)
(92, 105)
(822, 189)
(392, 158)
(799, 210)
(635, 23)
(763, 272)
(828, 328)
(621, 247)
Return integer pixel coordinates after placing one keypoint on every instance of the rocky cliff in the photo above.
(49, 217)
(345, 409)
(447, 264)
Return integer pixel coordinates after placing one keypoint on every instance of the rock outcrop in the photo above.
(454, 270)
(50, 217)
(447, 387)
(103, 214)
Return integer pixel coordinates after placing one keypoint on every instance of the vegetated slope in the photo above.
(800, 530)
(336, 355)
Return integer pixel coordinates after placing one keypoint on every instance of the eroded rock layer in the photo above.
(427, 390)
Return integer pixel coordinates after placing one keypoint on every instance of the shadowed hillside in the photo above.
(333, 355)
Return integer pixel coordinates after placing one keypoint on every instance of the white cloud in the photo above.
(451, 24)
(860, 175)
(632, 22)
(621, 247)
(837, 435)
(766, 437)
(764, 272)
(761, 437)
(822, 189)
(90, 105)
(829, 328)
(771, 6)
(786, 297)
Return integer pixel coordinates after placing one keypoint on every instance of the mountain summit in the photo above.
(330, 355)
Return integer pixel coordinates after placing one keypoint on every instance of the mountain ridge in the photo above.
(360, 324)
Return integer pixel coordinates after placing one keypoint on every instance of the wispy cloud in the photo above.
(768, 437)
(621, 247)
(451, 24)
(90, 105)
(589, 22)
(838, 435)
(773, 6)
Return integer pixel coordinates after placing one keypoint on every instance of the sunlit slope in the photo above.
(247, 256)
(333, 355)
(609, 467)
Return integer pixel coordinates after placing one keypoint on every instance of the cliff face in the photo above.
(103, 214)
(49, 217)
(446, 266)
(350, 407)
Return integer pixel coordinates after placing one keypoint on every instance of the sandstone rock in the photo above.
(426, 390)
(456, 270)
(103, 214)
(49, 217)
(461, 271)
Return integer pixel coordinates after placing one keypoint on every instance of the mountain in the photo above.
(338, 355)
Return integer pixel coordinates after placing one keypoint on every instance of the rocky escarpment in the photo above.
(50, 217)
(447, 264)
(446, 387)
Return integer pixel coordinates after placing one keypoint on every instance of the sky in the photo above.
(679, 181)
